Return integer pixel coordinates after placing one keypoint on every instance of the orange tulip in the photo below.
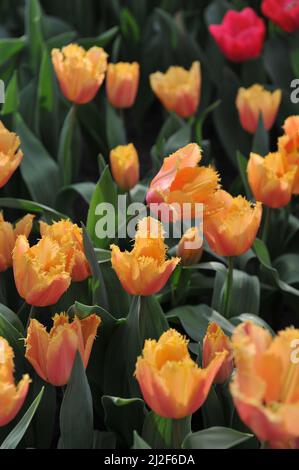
(8, 236)
(125, 166)
(265, 388)
(10, 155)
(122, 84)
(271, 179)
(288, 145)
(178, 89)
(70, 239)
(172, 384)
(52, 354)
(40, 272)
(190, 247)
(80, 73)
(181, 181)
(12, 396)
(255, 101)
(144, 271)
(231, 230)
(215, 342)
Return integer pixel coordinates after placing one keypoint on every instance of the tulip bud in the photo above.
(178, 89)
(255, 101)
(125, 166)
(52, 354)
(190, 247)
(172, 384)
(215, 342)
(12, 396)
(10, 155)
(122, 84)
(80, 73)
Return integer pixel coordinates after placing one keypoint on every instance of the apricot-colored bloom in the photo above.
(8, 236)
(80, 73)
(52, 354)
(255, 101)
(271, 179)
(190, 247)
(181, 181)
(122, 84)
(265, 388)
(12, 396)
(288, 145)
(215, 342)
(145, 270)
(70, 239)
(125, 166)
(10, 155)
(231, 230)
(172, 384)
(40, 272)
(178, 89)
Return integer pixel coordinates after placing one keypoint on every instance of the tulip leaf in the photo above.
(100, 41)
(12, 101)
(76, 414)
(261, 139)
(9, 47)
(165, 433)
(68, 195)
(116, 133)
(14, 338)
(33, 15)
(12, 318)
(124, 416)
(104, 440)
(181, 138)
(65, 154)
(17, 434)
(215, 438)
(40, 172)
(139, 443)
(31, 206)
(242, 163)
(45, 91)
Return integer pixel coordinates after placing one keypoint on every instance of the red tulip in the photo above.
(284, 13)
(241, 35)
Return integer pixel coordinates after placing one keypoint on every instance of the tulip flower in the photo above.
(172, 384)
(271, 179)
(70, 239)
(241, 35)
(124, 163)
(178, 89)
(10, 155)
(190, 247)
(122, 84)
(144, 270)
(80, 73)
(284, 13)
(12, 396)
(288, 145)
(265, 388)
(52, 354)
(8, 236)
(215, 342)
(40, 272)
(254, 102)
(180, 181)
(231, 230)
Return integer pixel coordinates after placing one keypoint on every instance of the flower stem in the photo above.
(266, 224)
(228, 287)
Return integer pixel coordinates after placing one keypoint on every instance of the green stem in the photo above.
(65, 156)
(228, 287)
(31, 316)
(180, 429)
(266, 224)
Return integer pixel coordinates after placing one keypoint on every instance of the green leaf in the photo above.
(139, 443)
(14, 337)
(104, 440)
(116, 133)
(165, 433)
(181, 138)
(16, 435)
(105, 192)
(129, 25)
(40, 172)
(68, 195)
(10, 47)
(76, 414)
(45, 91)
(30, 206)
(12, 318)
(242, 163)
(12, 101)
(65, 147)
(253, 318)
(261, 139)
(215, 438)
(102, 40)
(124, 416)
(33, 17)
